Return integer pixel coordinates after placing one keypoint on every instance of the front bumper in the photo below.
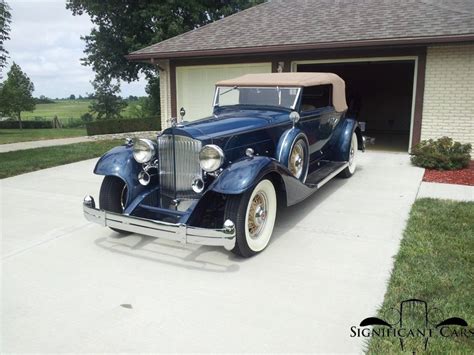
(172, 231)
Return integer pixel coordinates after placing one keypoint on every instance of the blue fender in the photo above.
(243, 174)
(344, 135)
(119, 162)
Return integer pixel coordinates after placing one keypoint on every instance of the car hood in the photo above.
(230, 122)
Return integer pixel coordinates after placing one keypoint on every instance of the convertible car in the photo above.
(272, 140)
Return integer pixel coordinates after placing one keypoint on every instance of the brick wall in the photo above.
(448, 105)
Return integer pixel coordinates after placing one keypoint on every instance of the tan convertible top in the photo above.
(295, 80)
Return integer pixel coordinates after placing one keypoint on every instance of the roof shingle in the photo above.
(299, 22)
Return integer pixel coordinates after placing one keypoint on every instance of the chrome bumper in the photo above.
(172, 231)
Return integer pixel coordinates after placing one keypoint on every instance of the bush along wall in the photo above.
(441, 154)
(123, 125)
(10, 124)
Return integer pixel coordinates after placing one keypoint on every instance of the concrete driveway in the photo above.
(70, 286)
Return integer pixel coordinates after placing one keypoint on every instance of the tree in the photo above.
(107, 104)
(153, 103)
(72, 97)
(5, 20)
(123, 26)
(17, 93)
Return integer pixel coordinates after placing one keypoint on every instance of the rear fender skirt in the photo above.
(119, 162)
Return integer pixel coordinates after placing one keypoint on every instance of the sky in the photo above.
(45, 42)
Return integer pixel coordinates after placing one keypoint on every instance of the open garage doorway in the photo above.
(379, 93)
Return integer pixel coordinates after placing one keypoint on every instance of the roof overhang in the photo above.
(140, 56)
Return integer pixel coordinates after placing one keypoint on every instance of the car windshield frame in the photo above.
(230, 88)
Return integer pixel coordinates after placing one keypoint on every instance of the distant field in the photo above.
(65, 109)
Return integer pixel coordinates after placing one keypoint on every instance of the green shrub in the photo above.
(87, 117)
(26, 124)
(72, 123)
(441, 154)
(123, 125)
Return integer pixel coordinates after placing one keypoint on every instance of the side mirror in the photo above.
(182, 112)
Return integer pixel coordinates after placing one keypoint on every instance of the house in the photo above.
(408, 65)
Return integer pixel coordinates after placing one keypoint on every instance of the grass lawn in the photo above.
(25, 135)
(24, 161)
(435, 264)
(64, 109)
(67, 109)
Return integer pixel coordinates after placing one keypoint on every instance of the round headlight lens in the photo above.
(211, 158)
(143, 151)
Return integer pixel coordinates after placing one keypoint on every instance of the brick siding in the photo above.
(448, 105)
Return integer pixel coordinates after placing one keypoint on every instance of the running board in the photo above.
(321, 176)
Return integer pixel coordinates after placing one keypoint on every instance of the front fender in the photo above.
(243, 174)
(119, 162)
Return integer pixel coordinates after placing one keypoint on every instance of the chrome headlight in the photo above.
(211, 158)
(144, 150)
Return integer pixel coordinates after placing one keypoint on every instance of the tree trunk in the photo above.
(19, 120)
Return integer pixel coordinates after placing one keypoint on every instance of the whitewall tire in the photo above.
(352, 159)
(253, 214)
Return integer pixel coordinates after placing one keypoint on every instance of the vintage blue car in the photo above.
(273, 140)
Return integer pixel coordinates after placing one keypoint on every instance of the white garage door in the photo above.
(195, 85)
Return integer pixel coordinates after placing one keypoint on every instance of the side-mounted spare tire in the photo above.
(296, 158)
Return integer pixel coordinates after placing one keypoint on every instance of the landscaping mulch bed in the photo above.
(460, 177)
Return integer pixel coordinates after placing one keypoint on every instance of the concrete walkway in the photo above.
(63, 141)
(71, 286)
(446, 191)
(43, 143)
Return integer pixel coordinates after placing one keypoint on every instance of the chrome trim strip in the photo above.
(330, 176)
(171, 231)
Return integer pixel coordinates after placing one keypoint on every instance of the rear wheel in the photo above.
(351, 168)
(253, 214)
(113, 196)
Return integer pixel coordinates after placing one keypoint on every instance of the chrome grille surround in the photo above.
(178, 165)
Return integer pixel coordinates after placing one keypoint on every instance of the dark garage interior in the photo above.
(379, 94)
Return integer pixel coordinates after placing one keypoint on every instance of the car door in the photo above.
(318, 118)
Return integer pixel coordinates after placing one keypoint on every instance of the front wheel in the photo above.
(254, 215)
(351, 168)
(113, 196)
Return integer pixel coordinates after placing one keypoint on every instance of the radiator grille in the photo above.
(179, 165)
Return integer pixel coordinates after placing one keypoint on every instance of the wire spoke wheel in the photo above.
(297, 157)
(254, 214)
(257, 215)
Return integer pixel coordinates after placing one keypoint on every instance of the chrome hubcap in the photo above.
(296, 160)
(257, 214)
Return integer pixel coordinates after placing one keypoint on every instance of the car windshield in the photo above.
(256, 96)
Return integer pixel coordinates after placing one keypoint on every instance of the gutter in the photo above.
(134, 56)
